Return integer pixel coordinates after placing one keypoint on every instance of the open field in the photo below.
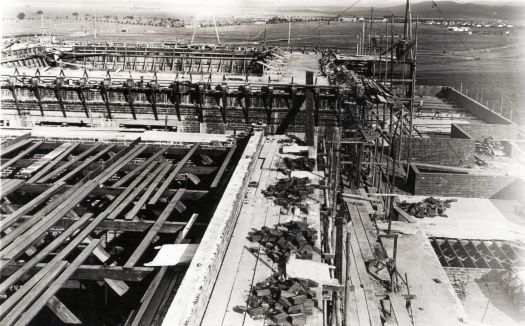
(492, 64)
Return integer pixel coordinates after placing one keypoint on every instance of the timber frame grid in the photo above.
(63, 202)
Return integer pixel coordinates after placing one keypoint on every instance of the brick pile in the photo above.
(289, 192)
(301, 163)
(283, 239)
(429, 207)
(284, 301)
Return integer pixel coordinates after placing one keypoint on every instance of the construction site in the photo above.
(170, 184)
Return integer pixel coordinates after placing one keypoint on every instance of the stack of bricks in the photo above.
(290, 192)
(300, 163)
(283, 239)
(284, 301)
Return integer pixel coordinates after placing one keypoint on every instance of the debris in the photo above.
(290, 192)
(281, 300)
(459, 287)
(429, 207)
(279, 241)
(206, 160)
(490, 147)
(300, 163)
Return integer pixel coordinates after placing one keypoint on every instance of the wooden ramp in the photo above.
(361, 301)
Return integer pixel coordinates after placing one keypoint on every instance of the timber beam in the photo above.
(92, 272)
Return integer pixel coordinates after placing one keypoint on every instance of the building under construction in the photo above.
(177, 185)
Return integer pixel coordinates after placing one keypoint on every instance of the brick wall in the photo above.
(473, 274)
(480, 131)
(445, 151)
(421, 182)
(474, 107)
(189, 122)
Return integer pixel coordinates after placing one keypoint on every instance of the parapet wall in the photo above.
(421, 182)
(212, 118)
(481, 131)
(445, 151)
(474, 107)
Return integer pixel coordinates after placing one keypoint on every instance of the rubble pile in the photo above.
(282, 239)
(490, 147)
(301, 163)
(290, 192)
(429, 207)
(459, 287)
(284, 301)
(291, 139)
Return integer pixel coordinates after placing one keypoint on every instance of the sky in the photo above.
(216, 7)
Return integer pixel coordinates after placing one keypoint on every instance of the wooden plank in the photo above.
(366, 285)
(36, 165)
(93, 272)
(182, 235)
(154, 285)
(362, 237)
(157, 178)
(53, 163)
(61, 168)
(11, 187)
(404, 215)
(359, 197)
(133, 190)
(120, 287)
(219, 174)
(172, 175)
(122, 225)
(146, 241)
(360, 300)
(51, 207)
(37, 217)
(103, 191)
(400, 310)
(62, 312)
(139, 168)
(120, 160)
(39, 229)
(13, 217)
(86, 163)
(56, 285)
(9, 142)
(350, 300)
(44, 252)
(7, 150)
(370, 230)
(15, 305)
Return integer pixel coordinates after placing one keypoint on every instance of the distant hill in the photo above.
(449, 9)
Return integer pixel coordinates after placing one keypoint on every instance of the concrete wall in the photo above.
(474, 107)
(445, 151)
(421, 182)
(481, 131)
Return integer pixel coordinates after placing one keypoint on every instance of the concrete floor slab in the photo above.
(474, 218)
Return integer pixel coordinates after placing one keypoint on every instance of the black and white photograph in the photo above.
(262, 163)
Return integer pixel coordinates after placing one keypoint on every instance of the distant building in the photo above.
(459, 29)
(348, 19)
